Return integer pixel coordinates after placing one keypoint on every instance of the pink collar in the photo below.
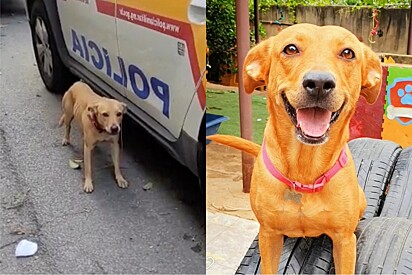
(310, 188)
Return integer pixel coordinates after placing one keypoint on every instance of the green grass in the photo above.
(227, 103)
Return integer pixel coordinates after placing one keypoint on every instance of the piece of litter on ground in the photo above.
(78, 160)
(197, 248)
(26, 248)
(17, 229)
(259, 119)
(73, 164)
(264, 97)
(147, 186)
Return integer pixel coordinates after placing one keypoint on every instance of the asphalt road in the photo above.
(112, 230)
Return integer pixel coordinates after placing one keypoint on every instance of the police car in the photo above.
(149, 54)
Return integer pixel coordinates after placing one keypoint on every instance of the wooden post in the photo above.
(245, 101)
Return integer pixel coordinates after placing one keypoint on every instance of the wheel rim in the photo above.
(43, 47)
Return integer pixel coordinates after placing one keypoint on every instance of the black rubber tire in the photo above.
(309, 256)
(61, 78)
(384, 246)
(201, 157)
(374, 161)
(299, 256)
(398, 201)
(251, 262)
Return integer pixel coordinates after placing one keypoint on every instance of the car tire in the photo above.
(384, 246)
(398, 201)
(374, 161)
(56, 77)
(201, 157)
(288, 264)
(251, 262)
(299, 256)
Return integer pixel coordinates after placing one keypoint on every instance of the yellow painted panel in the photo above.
(393, 131)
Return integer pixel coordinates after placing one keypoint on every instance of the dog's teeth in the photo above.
(328, 125)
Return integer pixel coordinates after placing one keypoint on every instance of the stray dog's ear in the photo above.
(256, 66)
(92, 109)
(124, 107)
(371, 75)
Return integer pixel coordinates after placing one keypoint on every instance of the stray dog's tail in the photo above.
(67, 100)
(238, 143)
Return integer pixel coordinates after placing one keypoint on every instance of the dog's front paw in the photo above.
(122, 183)
(88, 187)
(65, 142)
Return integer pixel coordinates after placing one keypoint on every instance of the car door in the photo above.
(157, 44)
(89, 30)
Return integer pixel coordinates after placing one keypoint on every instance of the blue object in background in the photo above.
(213, 123)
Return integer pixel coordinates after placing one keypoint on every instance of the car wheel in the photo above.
(54, 74)
(398, 201)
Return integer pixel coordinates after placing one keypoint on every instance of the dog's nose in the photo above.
(114, 129)
(319, 84)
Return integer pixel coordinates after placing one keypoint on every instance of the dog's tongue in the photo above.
(314, 122)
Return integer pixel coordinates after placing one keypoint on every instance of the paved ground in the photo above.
(230, 223)
(109, 231)
(227, 241)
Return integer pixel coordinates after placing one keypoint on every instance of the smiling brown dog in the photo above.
(100, 119)
(314, 77)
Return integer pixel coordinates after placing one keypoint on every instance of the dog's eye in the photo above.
(291, 49)
(347, 54)
(105, 114)
(119, 114)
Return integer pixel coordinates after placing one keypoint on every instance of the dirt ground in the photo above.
(224, 182)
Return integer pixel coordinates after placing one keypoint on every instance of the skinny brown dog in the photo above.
(304, 181)
(100, 119)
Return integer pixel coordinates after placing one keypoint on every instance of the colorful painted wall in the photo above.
(390, 117)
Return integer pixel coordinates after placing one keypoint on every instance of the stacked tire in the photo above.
(384, 235)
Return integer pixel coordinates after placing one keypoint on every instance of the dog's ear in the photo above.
(371, 75)
(256, 66)
(93, 109)
(124, 107)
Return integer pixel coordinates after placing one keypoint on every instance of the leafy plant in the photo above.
(221, 34)
(221, 25)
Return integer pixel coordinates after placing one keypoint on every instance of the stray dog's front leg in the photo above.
(121, 182)
(344, 253)
(88, 182)
(270, 246)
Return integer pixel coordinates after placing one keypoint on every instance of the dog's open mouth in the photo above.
(312, 124)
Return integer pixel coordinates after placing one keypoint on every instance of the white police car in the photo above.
(149, 54)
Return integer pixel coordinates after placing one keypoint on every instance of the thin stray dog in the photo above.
(304, 182)
(100, 119)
